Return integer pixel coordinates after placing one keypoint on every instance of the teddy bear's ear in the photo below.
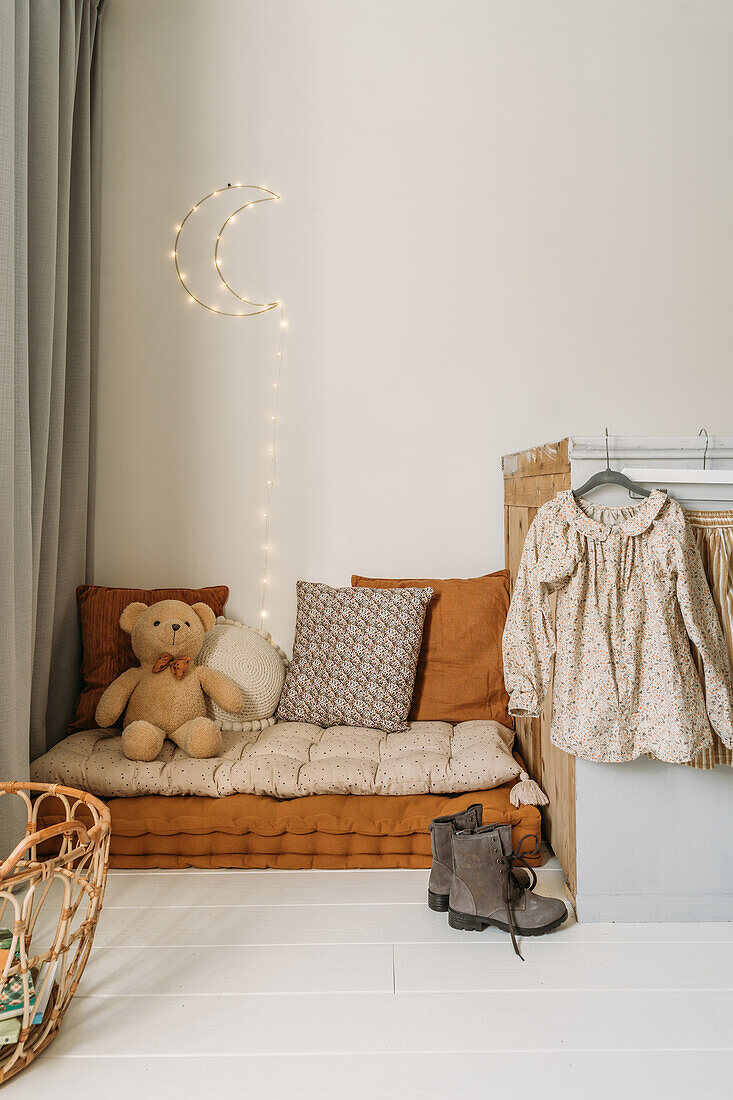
(207, 616)
(130, 615)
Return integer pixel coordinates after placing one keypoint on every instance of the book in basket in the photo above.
(12, 995)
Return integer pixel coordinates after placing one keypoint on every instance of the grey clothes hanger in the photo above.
(718, 483)
(610, 477)
(704, 431)
(722, 478)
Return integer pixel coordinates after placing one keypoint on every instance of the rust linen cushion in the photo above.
(106, 649)
(460, 674)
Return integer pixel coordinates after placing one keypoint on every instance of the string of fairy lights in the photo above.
(275, 421)
(257, 308)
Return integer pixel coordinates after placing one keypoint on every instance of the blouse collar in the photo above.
(637, 522)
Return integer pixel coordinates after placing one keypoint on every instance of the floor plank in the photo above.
(557, 1075)
(302, 924)
(293, 924)
(553, 963)
(276, 924)
(156, 890)
(210, 971)
(265, 888)
(419, 1022)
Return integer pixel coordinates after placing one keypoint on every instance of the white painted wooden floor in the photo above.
(343, 984)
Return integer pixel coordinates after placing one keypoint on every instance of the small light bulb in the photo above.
(263, 614)
(178, 228)
(264, 580)
(283, 324)
(233, 218)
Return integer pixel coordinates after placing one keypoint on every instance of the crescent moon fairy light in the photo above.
(252, 310)
(258, 307)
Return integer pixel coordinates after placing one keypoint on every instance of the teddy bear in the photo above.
(165, 695)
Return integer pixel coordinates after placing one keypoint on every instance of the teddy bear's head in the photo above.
(169, 626)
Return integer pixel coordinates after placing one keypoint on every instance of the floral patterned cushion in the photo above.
(354, 656)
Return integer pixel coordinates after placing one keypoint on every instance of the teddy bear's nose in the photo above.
(176, 626)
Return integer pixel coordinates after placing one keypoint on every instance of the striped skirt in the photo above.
(714, 533)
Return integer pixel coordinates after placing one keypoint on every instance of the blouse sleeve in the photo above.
(529, 636)
(703, 627)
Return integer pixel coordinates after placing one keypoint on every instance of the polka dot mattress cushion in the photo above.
(250, 658)
(294, 759)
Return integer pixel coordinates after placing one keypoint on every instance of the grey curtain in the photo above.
(46, 303)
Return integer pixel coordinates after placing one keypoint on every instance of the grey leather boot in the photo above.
(441, 836)
(486, 889)
(441, 843)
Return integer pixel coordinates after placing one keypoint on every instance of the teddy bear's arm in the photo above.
(116, 697)
(221, 689)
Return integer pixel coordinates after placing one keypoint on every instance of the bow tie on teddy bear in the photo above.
(178, 665)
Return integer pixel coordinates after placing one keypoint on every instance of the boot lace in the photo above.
(513, 888)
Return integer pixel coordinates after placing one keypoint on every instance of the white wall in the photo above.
(503, 222)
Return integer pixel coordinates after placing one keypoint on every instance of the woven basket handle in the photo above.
(66, 827)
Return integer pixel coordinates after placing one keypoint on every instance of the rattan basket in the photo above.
(51, 890)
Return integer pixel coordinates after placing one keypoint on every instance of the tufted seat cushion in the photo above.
(293, 760)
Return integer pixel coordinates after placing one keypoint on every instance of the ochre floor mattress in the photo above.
(320, 831)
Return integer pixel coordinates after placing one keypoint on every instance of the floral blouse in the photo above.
(630, 592)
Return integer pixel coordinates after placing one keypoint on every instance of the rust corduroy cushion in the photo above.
(460, 675)
(106, 649)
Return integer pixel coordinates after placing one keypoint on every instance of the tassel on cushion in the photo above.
(526, 792)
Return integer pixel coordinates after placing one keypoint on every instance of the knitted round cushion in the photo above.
(251, 659)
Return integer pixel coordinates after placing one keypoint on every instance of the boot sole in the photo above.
(438, 902)
(466, 923)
